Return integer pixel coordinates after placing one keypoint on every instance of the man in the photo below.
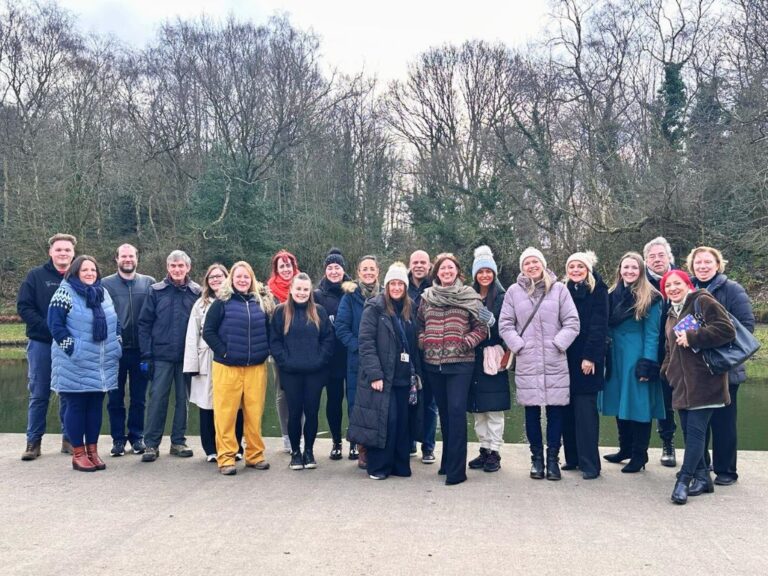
(658, 261)
(418, 281)
(32, 305)
(162, 331)
(128, 289)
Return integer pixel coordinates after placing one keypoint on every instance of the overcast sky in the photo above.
(378, 36)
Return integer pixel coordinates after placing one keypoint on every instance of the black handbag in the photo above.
(728, 356)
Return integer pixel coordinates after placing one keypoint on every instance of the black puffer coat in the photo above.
(590, 344)
(490, 393)
(380, 348)
(328, 295)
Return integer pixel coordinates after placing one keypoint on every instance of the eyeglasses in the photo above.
(216, 277)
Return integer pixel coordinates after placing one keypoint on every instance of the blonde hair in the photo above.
(289, 309)
(721, 262)
(226, 291)
(642, 289)
(590, 281)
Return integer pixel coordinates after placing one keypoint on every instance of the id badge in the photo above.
(404, 357)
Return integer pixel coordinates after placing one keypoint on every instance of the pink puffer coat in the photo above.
(541, 372)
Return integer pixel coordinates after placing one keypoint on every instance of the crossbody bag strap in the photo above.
(535, 309)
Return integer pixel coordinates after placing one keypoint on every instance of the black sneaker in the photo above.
(492, 462)
(353, 453)
(428, 457)
(118, 448)
(138, 446)
(479, 462)
(297, 462)
(309, 460)
(336, 451)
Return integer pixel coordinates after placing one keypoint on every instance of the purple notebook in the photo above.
(687, 323)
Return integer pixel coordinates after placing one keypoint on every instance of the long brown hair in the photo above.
(642, 290)
(389, 304)
(289, 309)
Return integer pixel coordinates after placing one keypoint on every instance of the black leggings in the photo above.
(208, 431)
(334, 390)
(303, 393)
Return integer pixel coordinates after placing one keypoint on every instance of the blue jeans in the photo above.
(39, 386)
(430, 417)
(555, 417)
(166, 374)
(83, 416)
(129, 367)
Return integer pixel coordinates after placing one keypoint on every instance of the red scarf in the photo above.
(279, 287)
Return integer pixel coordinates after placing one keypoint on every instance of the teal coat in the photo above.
(624, 395)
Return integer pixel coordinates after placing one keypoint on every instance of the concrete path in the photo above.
(179, 516)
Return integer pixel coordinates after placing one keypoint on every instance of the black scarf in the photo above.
(622, 302)
(94, 296)
(328, 287)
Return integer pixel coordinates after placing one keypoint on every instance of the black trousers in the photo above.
(303, 392)
(451, 393)
(334, 398)
(667, 426)
(395, 458)
(722, 429)
(695, 424)
(208, 431)
(581, 433)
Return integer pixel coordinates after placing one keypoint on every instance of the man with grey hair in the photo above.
(162, 332)
(658, 261)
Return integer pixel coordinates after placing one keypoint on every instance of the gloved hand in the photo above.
(147, 368)
(486, 317)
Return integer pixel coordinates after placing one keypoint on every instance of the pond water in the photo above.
(753, 407)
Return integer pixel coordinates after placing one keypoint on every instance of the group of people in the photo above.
(420, 345)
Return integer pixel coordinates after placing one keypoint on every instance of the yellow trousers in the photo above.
(235, 386)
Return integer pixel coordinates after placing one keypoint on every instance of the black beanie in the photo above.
(335, 257)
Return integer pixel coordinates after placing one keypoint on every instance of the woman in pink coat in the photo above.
(538, 322)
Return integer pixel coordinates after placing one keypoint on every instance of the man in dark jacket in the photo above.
(418, 281)
(32, 305)
(128, 290)
(658, 261)
(162, 331)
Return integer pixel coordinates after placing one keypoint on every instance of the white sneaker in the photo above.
(210, 458)
(286, 444)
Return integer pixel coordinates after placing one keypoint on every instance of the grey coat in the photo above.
(541, 371)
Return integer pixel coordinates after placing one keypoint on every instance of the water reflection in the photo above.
(753, 405)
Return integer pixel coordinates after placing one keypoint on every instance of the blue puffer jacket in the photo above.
(347, 326)
(163, 320)
(92, 367)
(237, 330)
(734, 299)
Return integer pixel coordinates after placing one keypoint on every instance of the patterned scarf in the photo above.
(94, 296)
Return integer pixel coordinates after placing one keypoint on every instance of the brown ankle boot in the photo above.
(93, 456)
(362, 460)
(80, 460)
(32, 452)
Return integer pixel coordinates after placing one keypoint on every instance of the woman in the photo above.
(696, 393)
(328, 295)
(632, 390)
(383, 420)
(237, 330)
(301, 342)
(198, 359)
(450, 329)
(284, 268)
(586, 365)
(708, 266)
(538, 323)
(85, 356)
(348, 325)
(489, 392)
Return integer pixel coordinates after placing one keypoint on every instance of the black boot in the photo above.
(537, 463)
(479, 462)
(668, 454)
(680, 492)
(493, 462)
(553, 464)
(701, 483)
(641, 437)
(625, 442)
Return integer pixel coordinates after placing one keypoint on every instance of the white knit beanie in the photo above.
(397, 271)
(588, 258)
(531, 251)
(483, 259)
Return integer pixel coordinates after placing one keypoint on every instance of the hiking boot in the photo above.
(227, 470)
(260, 465)
(181, 450)
(118, 449)
(479, 462)
(668, 454)
(150, 454)
(297, 462)
(32, 451)
(492, 462)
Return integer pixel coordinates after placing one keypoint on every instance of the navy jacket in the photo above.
(414, 292)
(128, 297)
(305, 348)
(590, 344)
(734, 299)
(163, 320)
(237, 330)
(34, 296)
(328, 296)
